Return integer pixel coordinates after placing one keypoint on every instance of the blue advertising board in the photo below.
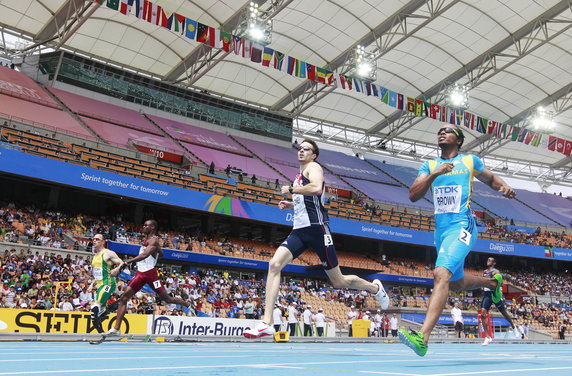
(32, 166)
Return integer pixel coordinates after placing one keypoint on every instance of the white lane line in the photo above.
(124, 358)
(500, 371)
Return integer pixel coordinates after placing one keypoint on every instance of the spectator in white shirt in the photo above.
(308, 317)
(320, 320)
(292, 318)
(277, 318)
(457, 316)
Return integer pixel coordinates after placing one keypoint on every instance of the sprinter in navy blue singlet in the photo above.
(310, 230)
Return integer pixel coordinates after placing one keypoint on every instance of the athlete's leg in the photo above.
(172, 299)
(504, 312)
(122, 309)
(472, 282)
(441, 277)
(484, 321)
(340, 281)
(281, 258)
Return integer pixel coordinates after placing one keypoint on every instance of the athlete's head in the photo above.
(491, 261)
(447, 135)
(150, 226)
(98, 241)
(308, 151)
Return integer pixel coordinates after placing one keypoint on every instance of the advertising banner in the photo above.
(447, 319)
(42, 321)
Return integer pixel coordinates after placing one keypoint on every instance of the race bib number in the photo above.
(106, 288)
(157, 284)
(328, 240)
(97, 274)
(465, 236)
(447, 198)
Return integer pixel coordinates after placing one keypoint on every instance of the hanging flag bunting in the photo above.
(256, 52)
(203, 33)
(190, 28)
(278, 60)
(226, 41)
(267, 54)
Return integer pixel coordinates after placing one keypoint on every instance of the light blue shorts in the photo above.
(454, 244)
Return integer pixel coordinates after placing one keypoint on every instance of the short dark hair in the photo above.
(460, 136)
(154, 223)
(314, 146)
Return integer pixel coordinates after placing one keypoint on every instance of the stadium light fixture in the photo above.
(458, 96)
(364, 65)
(542, 120)
(257, 28)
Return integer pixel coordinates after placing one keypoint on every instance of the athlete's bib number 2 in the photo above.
(465, 236)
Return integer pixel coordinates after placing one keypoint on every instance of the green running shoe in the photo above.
(497, 294)
(413, 340)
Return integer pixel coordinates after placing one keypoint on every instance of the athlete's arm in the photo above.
(111, 257)
(316, 176)
(423, 182)
(286, 205)
(496, 183)
(152, 247)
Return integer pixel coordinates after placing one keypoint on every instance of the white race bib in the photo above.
(97, 274)
(447, 198)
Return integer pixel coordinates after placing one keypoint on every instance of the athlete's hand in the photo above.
(507, 191)
(445, 168)
(283, 205)
(285, 189)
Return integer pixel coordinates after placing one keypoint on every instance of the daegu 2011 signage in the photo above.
(14, 320)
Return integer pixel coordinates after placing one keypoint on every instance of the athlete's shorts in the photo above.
(104, 292)
(458, 326)
(317, 238)
(454, 244)
(149, 277)
(487, 302)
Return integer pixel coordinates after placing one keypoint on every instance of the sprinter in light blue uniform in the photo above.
(310, 230)
(450, 179)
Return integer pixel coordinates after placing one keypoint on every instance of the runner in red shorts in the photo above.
(149, 253)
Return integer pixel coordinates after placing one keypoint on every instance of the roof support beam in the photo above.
(308, 93)
(62, 22)
(203, 58)
(509, 50)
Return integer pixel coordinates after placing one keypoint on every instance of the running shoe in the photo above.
(517, 333)
(113, 332)
(413, 340)
(381, 295)
(497, 294)
(487, 341)
(260, 330)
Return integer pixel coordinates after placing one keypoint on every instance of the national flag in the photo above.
(340, 80)
(528, 138)
(384, 94)
(190, 28)
(536, 139)
(567, 148)
(278, 60)
(329, 77)
(459, 116)
(246, 49)
(548, 251)
(367, 88)
(226, 41)
(452, 116)
(267, 56)
(443, 111)
(256, 52)
(125, 6)
(177, 23)
(301, 69)
(482, 124)
(358, 85)
(150, 11)
(375, 90)
(410, 104)
(164, 18)
(349, 83)
(552, 141)
(498, 130)
(392, 98)
(214, 37)
(139, 5)
(321, 75)
(292, 63)
(426, 106)
(400, 101)
(491, 125)
(515, 133)
(113, 4)
(203, 33)
(522, 134)
(507, 132)
(434, 111)
(560, 145)
(237, 45)
(418, 107)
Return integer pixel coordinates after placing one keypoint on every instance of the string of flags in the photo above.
(268, 57)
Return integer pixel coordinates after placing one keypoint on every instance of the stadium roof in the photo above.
(514, 55)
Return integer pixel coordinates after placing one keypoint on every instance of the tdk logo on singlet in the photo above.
(446, 189)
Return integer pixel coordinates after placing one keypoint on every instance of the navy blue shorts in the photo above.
(487, 302)
(317, 238)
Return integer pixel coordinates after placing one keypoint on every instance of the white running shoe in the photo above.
(381, 295)
(517, 333)
(260, 330)
(113, 332)
(487, 341)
